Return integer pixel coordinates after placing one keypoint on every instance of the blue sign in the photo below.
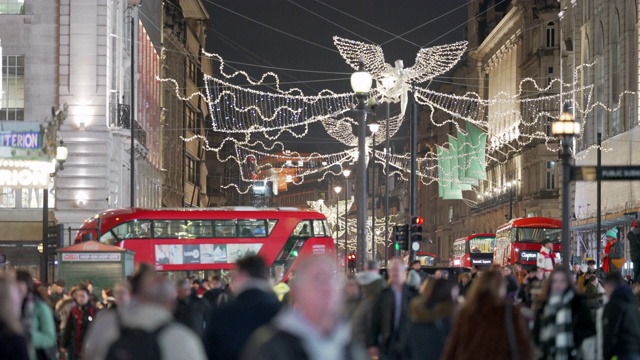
(23, 140)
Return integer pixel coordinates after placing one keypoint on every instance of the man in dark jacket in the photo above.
(389, 317)
(314, 328)
(634, 248)
(230, 325)
(191, 311)
(213, 294)
(620, 320)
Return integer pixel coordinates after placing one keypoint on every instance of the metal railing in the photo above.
(121, 118)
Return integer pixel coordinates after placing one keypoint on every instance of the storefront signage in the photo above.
(23, 178)
(24, 140)
(100, 257)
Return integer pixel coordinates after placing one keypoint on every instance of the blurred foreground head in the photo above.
(148, 286)
(319, 291)
(488, 291)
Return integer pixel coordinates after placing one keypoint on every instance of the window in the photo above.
(551, 175)
(252, 228)
(319, 228)
(11, 7)
(192, 118)
(193, 170)
(225, 228)
(12, 104)
(192, 71)
(551, 34)
(303, 229)
(450, 214)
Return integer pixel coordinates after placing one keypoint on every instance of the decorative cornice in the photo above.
(503, 51)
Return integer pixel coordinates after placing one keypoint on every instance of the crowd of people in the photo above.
(496, 313)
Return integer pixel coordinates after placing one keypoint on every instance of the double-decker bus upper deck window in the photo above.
(225, 228)
(252, 228)
(538, 234)
(170, 229)
(319, 228)
(481, 244)
(200, 228)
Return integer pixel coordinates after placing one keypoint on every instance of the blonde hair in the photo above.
(8, 314)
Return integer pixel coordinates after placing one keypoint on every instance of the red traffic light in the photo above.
(417, 220)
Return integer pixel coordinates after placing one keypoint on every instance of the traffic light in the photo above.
(351, 261)
(416, 228)
(402, 237)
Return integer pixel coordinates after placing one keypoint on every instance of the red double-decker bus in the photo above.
(475, 249)
(521, 239)
(213, 239)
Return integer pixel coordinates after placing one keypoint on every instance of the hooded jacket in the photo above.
(176, 340)
(621, 324)
(291, 336)
(428, 330)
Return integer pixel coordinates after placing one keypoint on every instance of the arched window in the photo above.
(551, 34)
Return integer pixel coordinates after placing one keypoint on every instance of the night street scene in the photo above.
(319, 180)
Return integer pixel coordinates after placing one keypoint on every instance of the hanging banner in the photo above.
(478, 141)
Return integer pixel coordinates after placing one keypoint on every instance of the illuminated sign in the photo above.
(528, 256)
(23, 178)
(23, 140)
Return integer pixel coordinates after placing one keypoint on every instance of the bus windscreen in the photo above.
(537, 235)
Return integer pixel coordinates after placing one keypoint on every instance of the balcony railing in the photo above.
(121, 118)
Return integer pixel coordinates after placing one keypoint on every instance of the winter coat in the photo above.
(176, 341)
(290, 336)
(212, 297)
(231, 325)
(592, 296)
(361, 321)
(382, 333)
(621, 324)
(12, 346)
(78, 323)
(634, 246)
(582, 322)
(481, 333)
(428, 330)
(193, 313)
(43, 327)
(616, 251)
(545, 260)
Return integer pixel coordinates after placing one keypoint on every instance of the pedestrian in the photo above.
(621, 321)
(389, 315)
(57, 291)
(413, 275)
(519, 272)
(314, 329)
(231, 325)
(191, 310)
(613, 257)
(634, 247)
(512, 283)
(37, 319)
(121, 294)
(144, 326)
(563, 319)
(215, 289)
(545, 259)
(353, 296)
(108, 301)
(372, 284)
(592, 296)
(13, 344)
(465, 284)
(487, 325)
(78, 324)
(583, 278)
(431, 315)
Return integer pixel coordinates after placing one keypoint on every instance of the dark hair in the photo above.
(216, 278)
(254, 266)
(415, 262)
(137, 280)
(534, 268)
(518, 263)
(108, 291)
(546, 287)
(546, 241)
(25, 277)
(591, 262)
(60, 283)
(438, 291)
(87, 282)
(615, 279)
(82, 287)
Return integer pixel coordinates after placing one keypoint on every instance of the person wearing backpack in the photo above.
(145, 328)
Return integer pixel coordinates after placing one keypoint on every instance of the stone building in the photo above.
(508, 42)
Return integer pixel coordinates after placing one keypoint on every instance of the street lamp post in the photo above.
(373, 127)
(61, 156)
(337, 189)
(361, 82)
(566, 128)
(346, 173)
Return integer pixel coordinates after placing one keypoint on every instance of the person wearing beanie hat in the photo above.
(545, 260)
(634, 247)
(613, 257)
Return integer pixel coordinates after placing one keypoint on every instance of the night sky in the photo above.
(238, 39)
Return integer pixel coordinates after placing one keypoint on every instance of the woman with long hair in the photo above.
(562, 318)
(431, 315)
(488, 326)
(12, 344)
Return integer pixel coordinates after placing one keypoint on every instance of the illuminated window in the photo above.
(551, 175)
(12, 104)
(11, 7)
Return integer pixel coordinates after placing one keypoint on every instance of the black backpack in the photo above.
(135, 343)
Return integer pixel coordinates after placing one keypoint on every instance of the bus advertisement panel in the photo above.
(520, 240)
(213, 239)
(475, 249)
